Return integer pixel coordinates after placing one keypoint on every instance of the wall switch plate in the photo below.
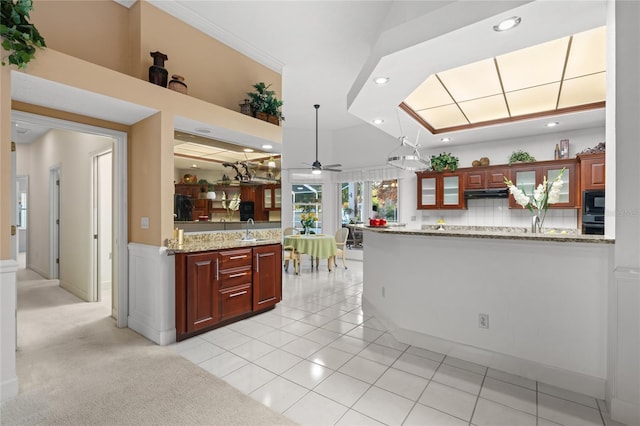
(144, 222)
(483, 320)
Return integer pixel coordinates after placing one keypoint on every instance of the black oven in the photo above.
(593, 212)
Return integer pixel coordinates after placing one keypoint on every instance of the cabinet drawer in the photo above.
(235, 258)
(235, 277)
(235, 301)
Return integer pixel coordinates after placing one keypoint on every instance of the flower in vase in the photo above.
(307, 220)
(543, 196)
(233, 205)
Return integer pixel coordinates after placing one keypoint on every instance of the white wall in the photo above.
(546, 301)
(71, 152)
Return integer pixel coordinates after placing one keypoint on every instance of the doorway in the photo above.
(54, 223)
(119, 234)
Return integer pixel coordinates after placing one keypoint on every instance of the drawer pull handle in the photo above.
(238, 257)
(237, 275)
(240, 293)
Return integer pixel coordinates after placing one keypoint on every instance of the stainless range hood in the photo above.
(471, 194)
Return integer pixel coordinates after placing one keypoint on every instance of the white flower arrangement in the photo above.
(542, 196)
(233, 205)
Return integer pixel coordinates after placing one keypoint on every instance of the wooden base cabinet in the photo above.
(267, 281)
(218, 287)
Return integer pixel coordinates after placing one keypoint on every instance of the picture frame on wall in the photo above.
(564, 148)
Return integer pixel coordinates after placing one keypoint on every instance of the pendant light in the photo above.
(407, 156)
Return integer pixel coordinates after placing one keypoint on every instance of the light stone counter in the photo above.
(493, 232)
(195, 242)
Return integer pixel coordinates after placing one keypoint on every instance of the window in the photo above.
(384, 199)
(306, 198)
(352, 202)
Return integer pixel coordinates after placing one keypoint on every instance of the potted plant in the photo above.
(264, 103)
(19, 38)
(444, 161)
(521, 157)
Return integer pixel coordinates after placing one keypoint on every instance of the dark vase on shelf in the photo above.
(158, 74)
(177, 83)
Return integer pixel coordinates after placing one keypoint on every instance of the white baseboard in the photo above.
(42, 273)
(565, 379)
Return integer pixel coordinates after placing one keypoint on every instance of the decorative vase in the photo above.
(177, 84)
(305, 230)
(158, 74)
(536, 224)
(245, 108)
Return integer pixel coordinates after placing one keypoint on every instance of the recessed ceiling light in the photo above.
(381, 80)
(378, 121)
(202, 130)
(267, 146)
(247, 150)
(194, 166)
(508, 24)
(552, 124)
(445, 140)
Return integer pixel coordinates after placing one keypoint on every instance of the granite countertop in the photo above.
(494, 232)
(197, 242)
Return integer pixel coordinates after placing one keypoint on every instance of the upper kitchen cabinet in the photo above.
(486, 177)
(440, 190)
(592, 171)
(528, 176)
(272, 196)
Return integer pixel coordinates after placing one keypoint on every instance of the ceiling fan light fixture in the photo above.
(316, 171)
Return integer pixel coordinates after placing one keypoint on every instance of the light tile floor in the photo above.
(320, 360)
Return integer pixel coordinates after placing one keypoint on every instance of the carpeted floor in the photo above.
(76, 368)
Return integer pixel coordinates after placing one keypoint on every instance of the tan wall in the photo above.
(144, 180)
(105, 33)
(96, 31)
(213, 71)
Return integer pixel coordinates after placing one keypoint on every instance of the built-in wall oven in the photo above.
(593, 212)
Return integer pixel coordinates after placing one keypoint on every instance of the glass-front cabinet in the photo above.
(272, 197)
(528, 176)
(439, 190)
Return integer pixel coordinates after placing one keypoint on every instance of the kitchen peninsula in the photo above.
(542, 298)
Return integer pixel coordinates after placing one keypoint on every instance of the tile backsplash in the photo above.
(496, 212)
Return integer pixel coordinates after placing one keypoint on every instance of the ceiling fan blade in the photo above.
(332, 165)
(331, 170)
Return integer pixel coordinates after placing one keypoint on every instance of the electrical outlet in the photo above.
(144, 222)
(384, 292)
(483, 320)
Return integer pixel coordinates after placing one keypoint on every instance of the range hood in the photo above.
(471, 194)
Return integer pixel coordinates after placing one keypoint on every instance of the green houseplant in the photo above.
(521, 156)
(444, 161)
(264, 103)
(19, 38)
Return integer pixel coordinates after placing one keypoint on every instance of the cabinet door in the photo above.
(495, 177)
(277, 197)
(202, 291)
(451, 192)
(474, 179)
(568, 191)
(267, 276)
(525, 180)
(593, 173)
(268, 199)
(427, 192)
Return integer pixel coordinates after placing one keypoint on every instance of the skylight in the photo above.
(563, 75)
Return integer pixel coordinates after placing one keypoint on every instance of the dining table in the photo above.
(318, 246)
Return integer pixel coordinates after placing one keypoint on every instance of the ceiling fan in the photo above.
(316, 167)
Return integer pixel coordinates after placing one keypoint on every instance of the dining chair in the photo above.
(289, 254)
(290, 231)
(341, 244)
